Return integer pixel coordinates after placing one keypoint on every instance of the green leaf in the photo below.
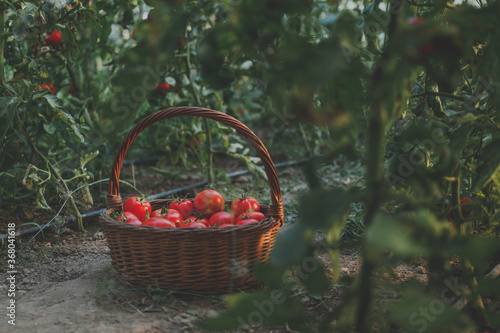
(53, 7)
(479, 250)
(65, 117)
(490, 165)
(458, 139)
(49, 128)
(87, 158)
(418, 313)
(322, 209)
(312, 274)
(40, 201)
(270, 275)
(388, 233)
(291, 245)
(20, 26)
(274, 308)
(8, 107)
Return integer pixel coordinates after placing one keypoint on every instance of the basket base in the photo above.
(203, 261)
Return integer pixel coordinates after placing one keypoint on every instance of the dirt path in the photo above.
(75, 290)
(71, 287)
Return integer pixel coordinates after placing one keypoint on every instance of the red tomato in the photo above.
(162, 87)
(159, 222)
(134, 222)
(193, 143)
(125, 216)
(244, 205)
(169, 214)
(426, 48)
(414, 20)
(179, 43)
(208, 202)
(48, 86)
(54, 39)
(247, 216)
(463, 203)
(249, 221)
(221, 218)
(173, 215)
(138, 206)
(185, 207)
(157, 213)
(193, 218)
(195, 225)
(184, 224)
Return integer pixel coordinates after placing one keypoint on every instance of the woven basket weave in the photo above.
(204, 261)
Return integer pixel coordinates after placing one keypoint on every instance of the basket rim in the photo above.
(104, 218)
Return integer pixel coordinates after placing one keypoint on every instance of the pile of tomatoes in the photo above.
(206, 210)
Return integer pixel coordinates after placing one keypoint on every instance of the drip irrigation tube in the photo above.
(151, 197)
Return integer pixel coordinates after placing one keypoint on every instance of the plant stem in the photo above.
(439, 94)
(54, 172)
(375, 181)
(206, 124)
(3, 38)
(477, 301)
(71, 76)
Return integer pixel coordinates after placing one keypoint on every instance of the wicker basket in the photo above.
(204, 261)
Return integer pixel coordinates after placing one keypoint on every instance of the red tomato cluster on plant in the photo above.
(206, 210)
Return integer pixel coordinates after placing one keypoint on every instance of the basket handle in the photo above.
(114, 201)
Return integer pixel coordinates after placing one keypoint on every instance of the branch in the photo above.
(53, 170)
(493, 274)
(375, 180)
(413, 3)
(439, 94)
(3, 38)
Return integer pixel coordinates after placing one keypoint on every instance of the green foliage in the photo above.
(418, 102)
(99, 81)
(415, 102)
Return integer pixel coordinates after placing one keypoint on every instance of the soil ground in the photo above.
(65, 281)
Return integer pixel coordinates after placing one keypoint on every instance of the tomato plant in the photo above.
(208, 202)
(139, 206)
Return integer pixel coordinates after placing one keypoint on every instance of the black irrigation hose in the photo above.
(151, 197)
